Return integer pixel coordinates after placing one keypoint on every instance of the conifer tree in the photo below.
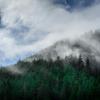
(80, 62)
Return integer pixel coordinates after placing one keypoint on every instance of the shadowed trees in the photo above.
(51, 80)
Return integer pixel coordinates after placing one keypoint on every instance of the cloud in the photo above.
(32, 25)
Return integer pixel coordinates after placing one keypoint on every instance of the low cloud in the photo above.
(32, 25)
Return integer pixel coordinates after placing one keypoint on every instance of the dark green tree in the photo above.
(80, 62)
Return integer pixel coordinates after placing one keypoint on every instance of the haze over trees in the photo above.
(51, 80)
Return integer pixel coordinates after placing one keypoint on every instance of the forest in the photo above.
(51, 80)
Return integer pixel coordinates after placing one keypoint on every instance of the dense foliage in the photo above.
(51, 80)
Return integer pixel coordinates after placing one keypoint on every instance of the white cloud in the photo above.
(47, 24)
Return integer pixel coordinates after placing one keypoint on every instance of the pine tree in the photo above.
(80, 62)
(88, 64)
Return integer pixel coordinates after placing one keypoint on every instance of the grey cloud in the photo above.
(96, 36)
(83, 47)
(40, 24)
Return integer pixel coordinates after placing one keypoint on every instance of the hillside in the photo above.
(67, 69)
(52, 80)
(86, 46)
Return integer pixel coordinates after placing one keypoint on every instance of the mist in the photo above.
(33, 25)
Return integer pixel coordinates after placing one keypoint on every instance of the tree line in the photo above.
(61, 79)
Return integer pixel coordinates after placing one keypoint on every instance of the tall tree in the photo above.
(88, 64)
(80, 62)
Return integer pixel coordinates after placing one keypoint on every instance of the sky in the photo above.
(29, 26)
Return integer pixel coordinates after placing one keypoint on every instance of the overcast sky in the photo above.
(29, 26)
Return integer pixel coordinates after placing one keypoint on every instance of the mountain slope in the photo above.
(65, 47)
(87, 46)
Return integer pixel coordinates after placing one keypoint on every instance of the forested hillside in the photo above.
(51, 80)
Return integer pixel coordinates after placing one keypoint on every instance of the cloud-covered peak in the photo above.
(32, 25)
